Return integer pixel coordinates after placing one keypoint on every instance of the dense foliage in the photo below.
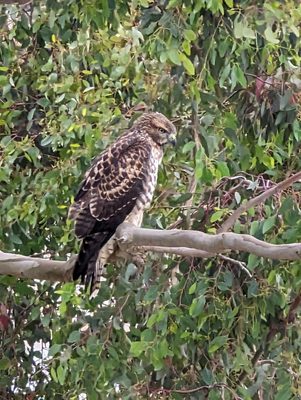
(72, 76)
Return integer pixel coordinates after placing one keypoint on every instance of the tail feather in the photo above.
(85, 266)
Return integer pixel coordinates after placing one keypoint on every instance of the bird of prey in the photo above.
(117, 188)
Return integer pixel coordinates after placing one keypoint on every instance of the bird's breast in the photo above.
(149, 184)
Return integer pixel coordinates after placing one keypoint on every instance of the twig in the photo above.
(231, 95)
(257, 200)
(254, 360)
(205, 387)
(275, 327)
(193, 183)
(293, 308)
(259, 79)
(123, 305)
(240, 264)
(204, 61)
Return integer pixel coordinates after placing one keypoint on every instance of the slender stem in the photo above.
(258, 200)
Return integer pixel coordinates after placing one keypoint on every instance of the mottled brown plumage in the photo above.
(118, 187)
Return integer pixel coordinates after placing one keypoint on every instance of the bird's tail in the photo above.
(85, 266)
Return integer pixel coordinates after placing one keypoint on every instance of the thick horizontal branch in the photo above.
(21, 2)
(35, 268)
(178, 242)
(179, 251)
(129, 236)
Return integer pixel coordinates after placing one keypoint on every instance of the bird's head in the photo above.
(158, 127)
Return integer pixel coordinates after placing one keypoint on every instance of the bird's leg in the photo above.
(103, 258)
(133, 254)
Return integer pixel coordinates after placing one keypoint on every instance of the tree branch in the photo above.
(179, 251)
(35, 268)
(184, 243)
(21, 2)
(257, 200)
(129, 236)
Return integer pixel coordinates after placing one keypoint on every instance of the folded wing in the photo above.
(107, 195)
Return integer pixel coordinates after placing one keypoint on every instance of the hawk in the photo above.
(117, 188)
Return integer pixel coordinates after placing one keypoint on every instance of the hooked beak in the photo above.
(172, 139)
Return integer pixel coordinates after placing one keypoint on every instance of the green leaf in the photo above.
(192, 288)
(189, 35)
(217, 343)
(30, 114)
(240, 76)
(238, 29)
(46, 141)
(182, 198)
(197, 306)
(270, 35)
(248, 32)
(199, 168)
(60, 98)
(285, 390)
(117, 72)
(254, 227)
(148, 335)
(73, 337)
(225, 74)
(54, 349)
(242, 30)
(3, 80)
(35, 313)
(61, 374)
(188, 147)
(173, 3)
(113, 353)
(268, 161)
(137, 348)
(151, 294)
(217, 216)
(4, 363)
(268, 224)
(163, 349)
(252, 289)
(223, 168)
(173, 55)
(189, 67)
(53, 374)
(253, 262)
(152, 320)
(186, 46)
(43, 102)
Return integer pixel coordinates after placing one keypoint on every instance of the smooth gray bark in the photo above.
(178, 242)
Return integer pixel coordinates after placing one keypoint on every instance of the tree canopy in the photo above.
(73, 75)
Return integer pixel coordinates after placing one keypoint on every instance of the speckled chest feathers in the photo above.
(118, 186)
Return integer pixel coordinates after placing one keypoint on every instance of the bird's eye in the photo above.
(162, 130)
